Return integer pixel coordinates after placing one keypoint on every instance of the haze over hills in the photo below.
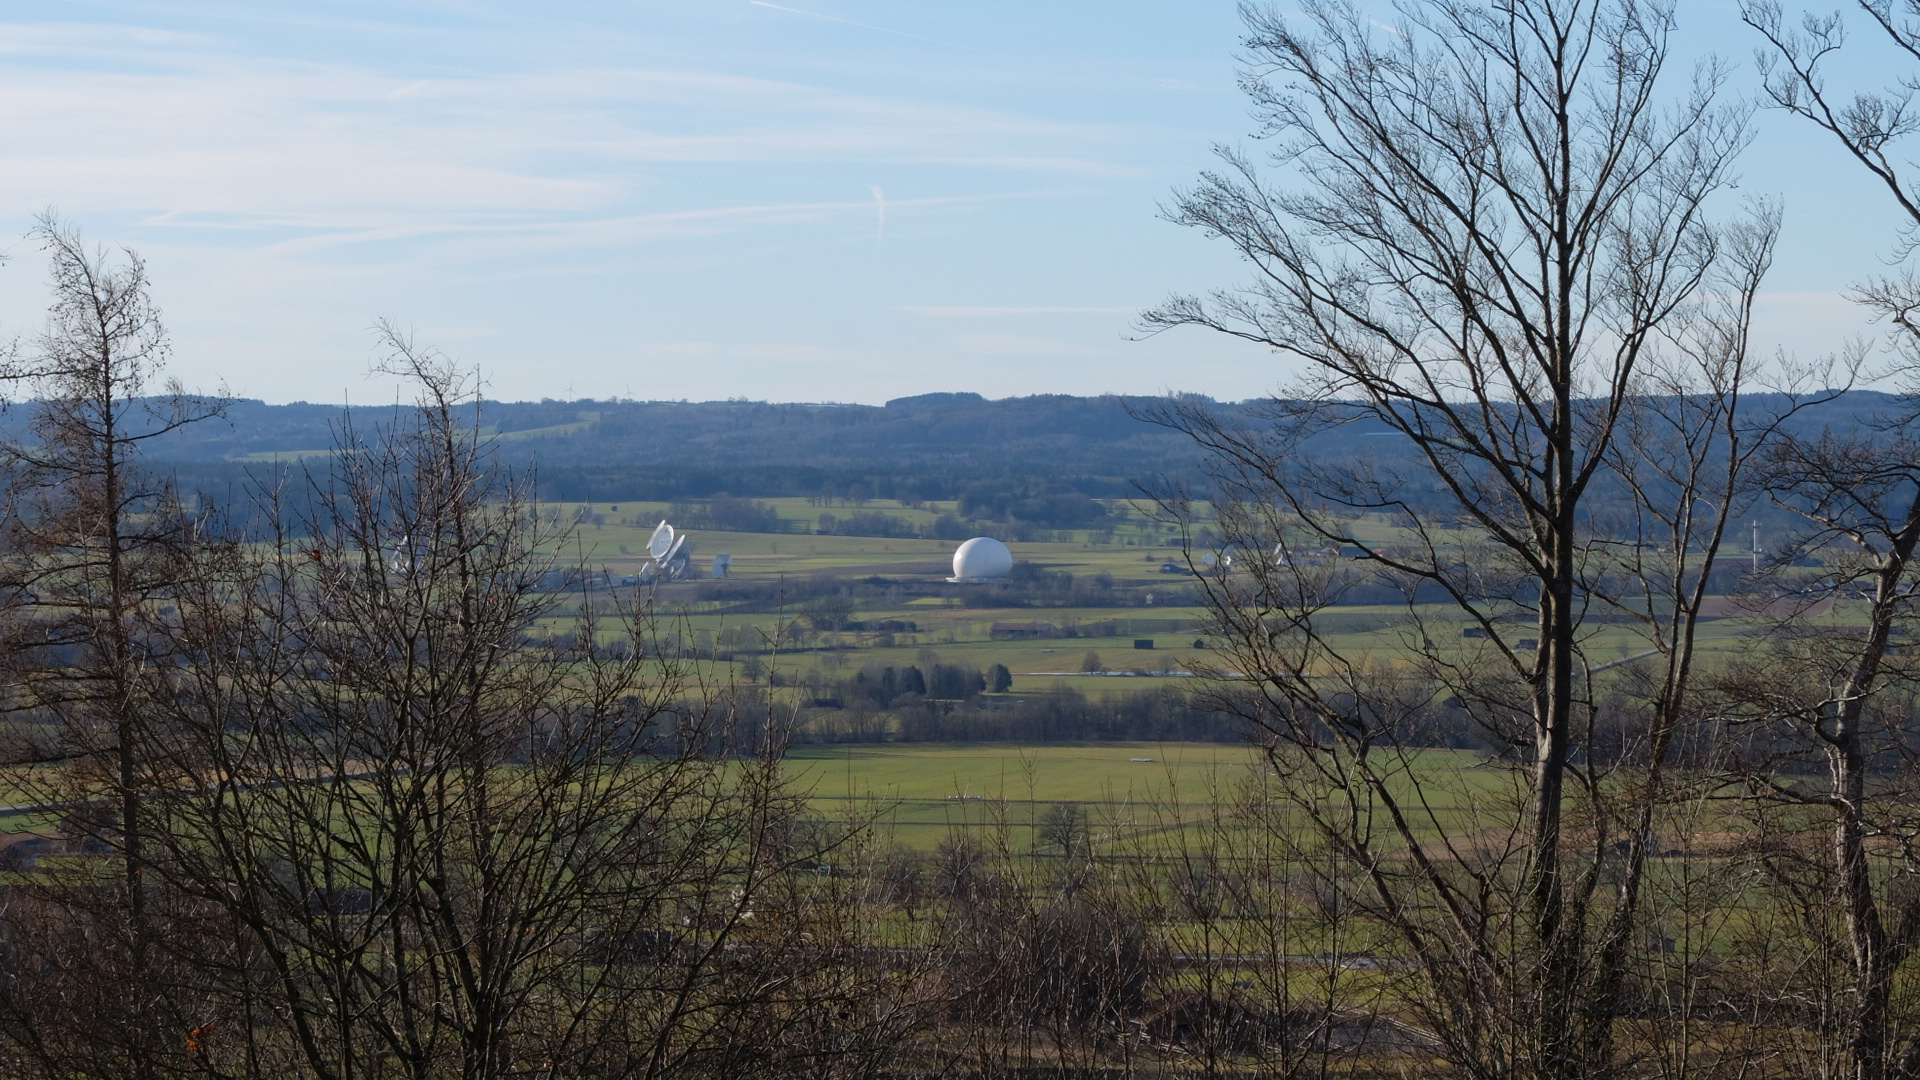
(932, 446)
(926, 447)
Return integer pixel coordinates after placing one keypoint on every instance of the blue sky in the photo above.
(819, 200)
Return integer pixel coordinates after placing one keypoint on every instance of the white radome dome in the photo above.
(982, 559)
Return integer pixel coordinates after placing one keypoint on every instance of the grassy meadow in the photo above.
(1131, 555)
(1159, 606)
(921, 790)
(920, 793)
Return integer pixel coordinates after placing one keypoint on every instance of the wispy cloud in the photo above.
(173, 126)
(938, 312)
(1017, 345)
(599, 231)
(532, 187)
(861, 25)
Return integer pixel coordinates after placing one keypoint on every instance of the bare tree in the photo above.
(90, 537)
(430, 836)
(1488, 236)
(1834, 700)
(1837, 693)
(1215, 874)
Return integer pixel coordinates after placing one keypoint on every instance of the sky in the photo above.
(814, 200)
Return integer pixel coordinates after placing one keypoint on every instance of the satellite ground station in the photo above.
(670, 558)
(981, 559)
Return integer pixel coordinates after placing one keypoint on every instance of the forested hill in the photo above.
(934, 446)
(927, 447)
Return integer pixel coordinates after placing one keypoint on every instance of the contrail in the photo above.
(861, 25)
(880, 198)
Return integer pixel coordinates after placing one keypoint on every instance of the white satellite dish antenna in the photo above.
(402, 558)
(661, 542)
(679, 544)
(1208, 560)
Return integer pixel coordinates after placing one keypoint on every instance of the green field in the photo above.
(1105, 773)
(901, 580)
(614, 536)
(921, 793)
